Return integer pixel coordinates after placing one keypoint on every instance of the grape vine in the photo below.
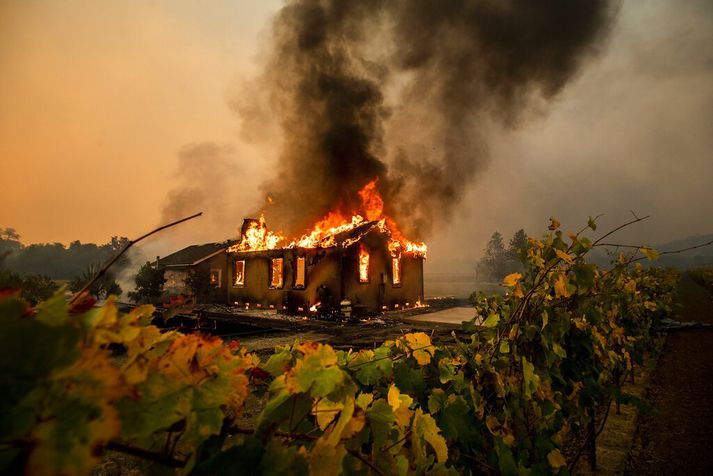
(78, 381)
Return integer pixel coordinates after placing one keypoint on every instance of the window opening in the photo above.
(239, 273)
(276, 274)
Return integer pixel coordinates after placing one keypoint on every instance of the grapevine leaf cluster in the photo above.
(511, 398)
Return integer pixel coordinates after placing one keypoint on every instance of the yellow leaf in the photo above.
(344, 418)
(517, 292)
(424, 428)
(363, 400)
(393, 397)
(650, 253)
(564, 256)
(556, 459)
(492, 423)
(512, 279)
(561, 286)
(400, 405)
(326, 411)
(420, 345)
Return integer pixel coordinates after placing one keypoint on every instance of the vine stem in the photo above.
(145, 454)
(104, 269)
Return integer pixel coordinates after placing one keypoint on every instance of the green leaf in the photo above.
(54, 311)
(592, 224)
(492, 320)
(584, 276)
(506, 461)
(545, 319)
(424, 428)
(531, 379)
(280, 460)
(316, 372)
(278, 363)
(370, 366)
(381, 420)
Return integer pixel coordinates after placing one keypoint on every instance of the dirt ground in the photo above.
(676, 437)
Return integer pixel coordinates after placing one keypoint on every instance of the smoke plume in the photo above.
(205, 181)
(405, 91)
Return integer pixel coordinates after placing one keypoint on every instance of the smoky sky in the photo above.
(204, 180)
(405, 91)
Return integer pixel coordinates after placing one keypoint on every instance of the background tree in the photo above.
(106, 286)
(149, 284)
(499, 261)
(33, 289)
(518, 243)
(54, 259)
(516, 252)
(198, 281)
(38, 288)
(9, 234)
(491, 266)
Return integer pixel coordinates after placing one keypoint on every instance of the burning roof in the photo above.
(334, 230)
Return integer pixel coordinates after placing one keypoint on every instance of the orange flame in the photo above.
(322, 235)
(258, 238)
(363, 264)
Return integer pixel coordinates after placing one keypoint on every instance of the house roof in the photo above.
(191, 255)
(349, 237)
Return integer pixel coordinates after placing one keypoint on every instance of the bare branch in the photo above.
(673, 252)
(637, 220)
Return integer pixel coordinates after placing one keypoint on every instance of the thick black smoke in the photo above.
(405, 91)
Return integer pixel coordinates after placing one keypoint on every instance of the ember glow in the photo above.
(322, 235)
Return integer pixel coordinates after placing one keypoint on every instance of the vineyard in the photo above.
(522, 395)
(703, 276)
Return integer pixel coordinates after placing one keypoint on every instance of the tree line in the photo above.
(498, 260)
(36, 268)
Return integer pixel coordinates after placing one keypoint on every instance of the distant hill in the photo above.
(687, 259)
(691, 258)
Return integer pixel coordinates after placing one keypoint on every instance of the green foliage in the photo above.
(106, 285)
(54, 259)
(499, 261)
(32, 288)
(149, 284)
(505, 400)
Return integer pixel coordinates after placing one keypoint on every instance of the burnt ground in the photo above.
(260, 331)
(676, 437)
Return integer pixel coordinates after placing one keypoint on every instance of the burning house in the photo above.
(362, 263)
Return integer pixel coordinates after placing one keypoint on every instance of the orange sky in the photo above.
(97, 99)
